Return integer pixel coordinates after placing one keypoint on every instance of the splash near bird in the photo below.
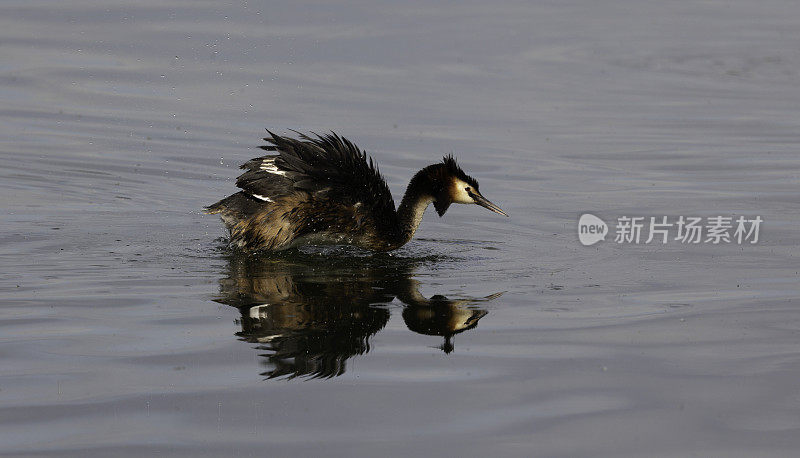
(325, 190)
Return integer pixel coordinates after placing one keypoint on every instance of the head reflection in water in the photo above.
(441, 316)
(310, 314)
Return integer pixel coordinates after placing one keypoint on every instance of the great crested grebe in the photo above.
(325, 190)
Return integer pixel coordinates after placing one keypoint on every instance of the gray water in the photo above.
(128, 329)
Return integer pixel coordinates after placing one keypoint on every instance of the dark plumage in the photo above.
(326, 190)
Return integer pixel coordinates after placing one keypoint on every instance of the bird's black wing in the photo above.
(328, 166)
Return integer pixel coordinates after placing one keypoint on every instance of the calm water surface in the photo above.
(128, 329)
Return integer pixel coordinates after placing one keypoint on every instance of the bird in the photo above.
(323, 189)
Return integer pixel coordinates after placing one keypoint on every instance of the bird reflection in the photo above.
(311, 313)
(440, 316)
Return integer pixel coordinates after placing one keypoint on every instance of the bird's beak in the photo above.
(484, 202)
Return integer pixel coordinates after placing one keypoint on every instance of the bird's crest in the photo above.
(452, 167)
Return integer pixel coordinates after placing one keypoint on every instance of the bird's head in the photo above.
(451, 185)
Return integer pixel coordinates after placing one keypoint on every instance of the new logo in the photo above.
(591, 229)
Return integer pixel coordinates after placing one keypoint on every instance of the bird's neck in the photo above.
(416, 199)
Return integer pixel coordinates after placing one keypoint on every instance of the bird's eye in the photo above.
(467, 189)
